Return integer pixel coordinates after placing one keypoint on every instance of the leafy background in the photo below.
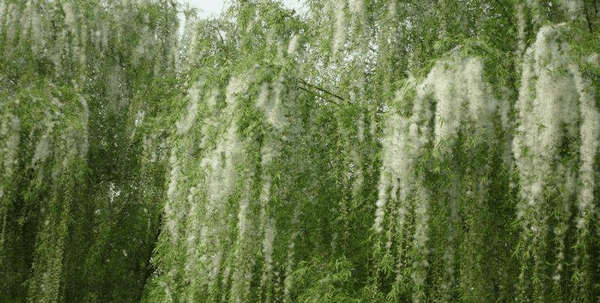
(356, 151)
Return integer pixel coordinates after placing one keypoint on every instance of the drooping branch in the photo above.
(588, 17)
(322, 90)
(218, 31)
(316, 94)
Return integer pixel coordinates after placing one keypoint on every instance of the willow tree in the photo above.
(480, 177)
(82, 175)
(247, 176)
(360, 151)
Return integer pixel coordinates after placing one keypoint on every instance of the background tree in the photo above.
(83, 172)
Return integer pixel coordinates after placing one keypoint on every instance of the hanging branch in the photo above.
(588, 17)
(322, 90)
(218, 31)
(311, 92)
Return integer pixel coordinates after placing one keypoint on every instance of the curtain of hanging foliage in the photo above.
(354, 151)
(81, 87)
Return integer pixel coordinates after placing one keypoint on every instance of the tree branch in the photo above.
(311, 92)
(321, 90)
(218, 33)
(588, 17)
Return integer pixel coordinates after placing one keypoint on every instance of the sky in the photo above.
(210, 7)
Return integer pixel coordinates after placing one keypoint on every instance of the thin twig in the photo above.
(218, 33)
(321, 89)
(311, 92)
(586, 10)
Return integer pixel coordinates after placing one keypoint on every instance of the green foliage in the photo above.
(354, 151)
(320, 281)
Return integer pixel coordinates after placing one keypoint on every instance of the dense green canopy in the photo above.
(353, 151)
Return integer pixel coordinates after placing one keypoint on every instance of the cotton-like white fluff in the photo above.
(398, 152)
(115, 85)
(522, 25)
(593, 59)
(457, 85)
(590, 134)
(70, 17)
(356, 6)
(360, 128)
(403, 143)
(448, 110)
(276, 114)
(289, 279)
(359, 177)
(85, 117)
(212, 98)
(572, 7)
(222, 174)
(270, 102)
(104, 35)
(193, 261)
(267, 249)
(339, 36)
(420, 239)
(293, 45)
(547, 107)
(12, 131)
(42, 149)
(394, 162)
(268, 153)
(26, 18)
(12, 15)
(481, 103)
(381, 202)
(243, 261)
(357, 14)
(100, 37)
(174, 176)
(2, 15)
(555, 109)
(173, 54)
(145, 48)
(461, 95)
(234, 87)
(189, 119)
(263, 97)
(173, 207)
(243, 217)
(523, 108)
(139, 118)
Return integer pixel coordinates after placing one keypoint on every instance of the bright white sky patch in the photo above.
(214, 7)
